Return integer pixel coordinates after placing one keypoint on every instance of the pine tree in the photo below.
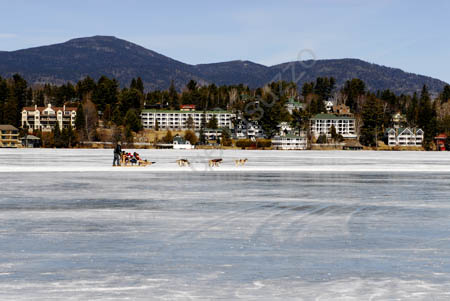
(128, 134)
(333, 133)
(192, 85)
(426, 119)
(411, 113)
(168, 138)
(4, 93)
(107, 113)
(190, 122)
(133, 84)
(354, 89)
(213, 123)
(80, 122)
(173, 97)
(132, 120)
(117, 116)
(57, 137)
(445, 95)
(140, 85)
(372, 118)
(10, 111)
(202, 136)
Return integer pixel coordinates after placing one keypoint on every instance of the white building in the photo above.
(177, 120)
(284, 128)
(45, 118)
(292, 105)
(329, 105)
(289, 142)
(211, 134)
(399, 120)
(405, 137)
(180, 143)
(344, 125)
(248, 129)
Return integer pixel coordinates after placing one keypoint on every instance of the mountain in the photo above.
(95, 56)
(123, 60)
(375, 76)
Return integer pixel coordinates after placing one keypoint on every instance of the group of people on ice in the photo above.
(125, 158)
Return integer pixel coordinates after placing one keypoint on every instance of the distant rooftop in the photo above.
(184, 112)
(330, 116)
(7, 127)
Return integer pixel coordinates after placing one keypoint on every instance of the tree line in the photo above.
(105, 101)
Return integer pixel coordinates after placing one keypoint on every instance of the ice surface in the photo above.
(288, 225)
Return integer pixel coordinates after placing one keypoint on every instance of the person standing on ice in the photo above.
(117, 154)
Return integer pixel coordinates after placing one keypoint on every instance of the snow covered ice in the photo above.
(287, 225)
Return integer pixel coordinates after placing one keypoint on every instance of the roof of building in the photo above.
(40, 109)
(401, 130)
(329, 116)
(30, 137)
(218, 130)
(7, 127)
(187, 106)
(294, 102)
(441, 136)
(184, 112)
(290, 136)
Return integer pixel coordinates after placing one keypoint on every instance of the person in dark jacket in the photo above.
(117, 153)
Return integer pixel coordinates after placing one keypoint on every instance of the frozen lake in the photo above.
(288, 225)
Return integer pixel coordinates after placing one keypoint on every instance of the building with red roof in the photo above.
(440, 141)
(45, 118)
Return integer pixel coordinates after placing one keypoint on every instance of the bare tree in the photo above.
(90, 115)
(233, 96)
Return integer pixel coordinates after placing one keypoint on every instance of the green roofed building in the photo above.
(179, 120)
(292, 105)
(344, 125)
(290, 142)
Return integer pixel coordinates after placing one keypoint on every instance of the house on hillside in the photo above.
(45, 118)
(284, 128)
(9, 136)
(441, 142)
(181, 143)
(329, 106)
(290, 142)
(398, 120)
(212, 134)
(404, 136)
(292, 105)
(188, 108)
(321, 124)
(30, 141)
(247, 129)
(342, 110)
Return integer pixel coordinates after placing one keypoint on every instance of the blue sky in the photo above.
(411, 35)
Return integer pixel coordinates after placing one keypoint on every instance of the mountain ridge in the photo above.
(107, 55)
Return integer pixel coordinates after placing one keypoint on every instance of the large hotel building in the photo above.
(45, 118)
(344, 125)
(178, 119)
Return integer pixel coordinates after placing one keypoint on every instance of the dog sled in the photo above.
(133, 160)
